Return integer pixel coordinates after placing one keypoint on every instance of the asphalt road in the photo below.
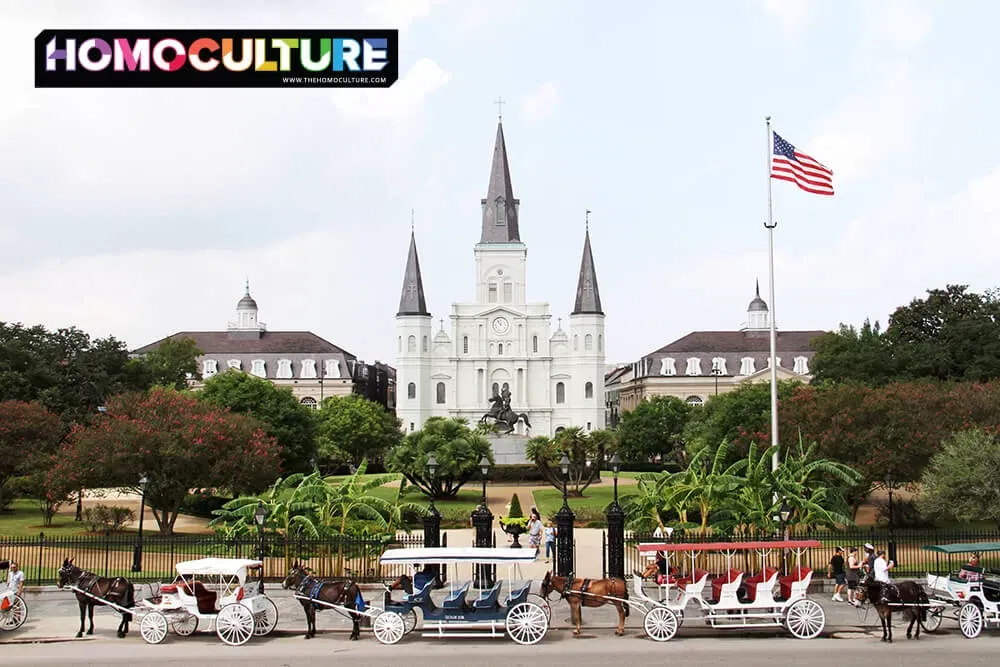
(558, 648)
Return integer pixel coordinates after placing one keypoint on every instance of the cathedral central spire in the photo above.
(500, 209)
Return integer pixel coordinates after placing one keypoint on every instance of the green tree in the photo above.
(457, 448)
(654, 428)
(586, 453)
(961, 483)
(177, 441)
(170, 365)
(854, 355)
(353, 429)
(286, 420)
(29, 437)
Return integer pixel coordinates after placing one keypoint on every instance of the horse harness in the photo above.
(568, 589)
(88, 580)
(313, 588)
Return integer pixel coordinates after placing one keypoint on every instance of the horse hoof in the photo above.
(619, 634)
(79, 634)
(354, 638)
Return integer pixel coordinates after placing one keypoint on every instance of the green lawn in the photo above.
(589, 508)
(24, 519)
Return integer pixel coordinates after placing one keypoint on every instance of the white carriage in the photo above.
(13, 610)
(972, 593)
(520, 614)
(213, 593)
(733, 599)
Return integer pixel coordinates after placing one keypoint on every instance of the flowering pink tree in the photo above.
(177, 441)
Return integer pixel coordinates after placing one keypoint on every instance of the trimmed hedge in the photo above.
(513, 474)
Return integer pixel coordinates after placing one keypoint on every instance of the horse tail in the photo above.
(625, 597)
(129, 600)
(524, 416)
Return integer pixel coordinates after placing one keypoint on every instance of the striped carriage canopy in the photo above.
(794, 545)
(455, 555)
(962, 548)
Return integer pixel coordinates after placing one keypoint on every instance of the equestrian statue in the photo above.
(502, 414)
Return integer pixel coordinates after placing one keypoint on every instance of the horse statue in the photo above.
(506, 420)
(117, 590)
(588, 593)
(885, 596)
(344, 593)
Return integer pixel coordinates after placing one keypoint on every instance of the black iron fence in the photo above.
(911, 560)
(111, 555)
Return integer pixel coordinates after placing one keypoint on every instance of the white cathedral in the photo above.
(501, 341)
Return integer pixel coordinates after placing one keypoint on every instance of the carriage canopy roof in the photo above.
(451, 555)
(215, 566)
(728, 546)
(962, 548)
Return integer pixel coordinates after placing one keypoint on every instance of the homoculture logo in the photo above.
(216, 58)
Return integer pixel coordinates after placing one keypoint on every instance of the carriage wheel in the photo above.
(409, 621)
(185, 625)
(805, 619)
(863, 608)
(265, 620)
(543, 603)
(388, 627)
(934, 617)
(660, 624)
(153, 627)
(15, 615)
(526, 623)
(970, 620)
(234, 624)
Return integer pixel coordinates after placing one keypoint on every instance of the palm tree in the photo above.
(815, 487)
(705, 484)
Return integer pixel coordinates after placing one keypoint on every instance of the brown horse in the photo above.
(886, 597)
(117, 590)
(588, 593)
(344, 593)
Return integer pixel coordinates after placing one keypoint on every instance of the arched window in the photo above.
(694, 401)
(465, 344)
(588, 342)
(560, 392)
(534, 343)
(501, 212)
(491, 293)
(500, 349)
(411, 391)
(588, 390)
(560, 430)
(411, 344)
(440, 393)
(309, 402)
(424, 347)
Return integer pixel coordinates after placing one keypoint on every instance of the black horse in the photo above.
(343, 593)
(885, 597)
(117, 590)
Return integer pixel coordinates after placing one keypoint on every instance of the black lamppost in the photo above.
(564, 527)
(784, 513)
(137, 551)
(482, 521)
(716, 371)
(432, 520)
(259, 516)
(616, 528)
(889, 482)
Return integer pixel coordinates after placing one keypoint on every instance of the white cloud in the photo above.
(792, 15)
(541, 103)
(896, 24)
(400, 101)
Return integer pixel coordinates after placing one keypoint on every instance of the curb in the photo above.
(47, 640)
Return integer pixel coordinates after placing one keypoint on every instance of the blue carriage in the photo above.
(506, 607)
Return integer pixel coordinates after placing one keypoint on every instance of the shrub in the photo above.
(102, 517)
(515, 507)
(202, 504)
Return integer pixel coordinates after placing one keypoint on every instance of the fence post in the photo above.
(432, 533)
(604, 554)
(107, 551)
(41, 551)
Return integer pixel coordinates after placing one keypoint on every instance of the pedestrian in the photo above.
(535, 534)
(853, 575)
(15, 578)
(835, 570)
(881, 568)
(869, 565)
(550, 541)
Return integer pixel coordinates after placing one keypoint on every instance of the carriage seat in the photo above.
(517, 595)
(725, 585)
(795, 584)
(764, 580)
(422, 594)
(205, 598)
(456, 600)
(487, 598)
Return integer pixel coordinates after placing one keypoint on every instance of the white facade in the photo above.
(555, 377)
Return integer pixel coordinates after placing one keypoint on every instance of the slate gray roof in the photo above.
(588, 296)
(500, 187)
(411, 300)
(732, 346)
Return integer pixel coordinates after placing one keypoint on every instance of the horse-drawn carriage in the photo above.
(757, 598)
(13, 609)
(213, 591)
(972, 592)
(520, 614)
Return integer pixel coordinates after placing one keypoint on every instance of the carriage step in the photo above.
(463, 634)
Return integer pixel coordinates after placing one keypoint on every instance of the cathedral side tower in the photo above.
(586, 403)
(413, 347)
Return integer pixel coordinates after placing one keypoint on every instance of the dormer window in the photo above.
(667, 366)
(209, 367)
(257, 368)
(801, 366)
(308, 368)
(747, 366)
(234, 364)
(501, 212)
(719, 366)
(284, 369)
(693, 366)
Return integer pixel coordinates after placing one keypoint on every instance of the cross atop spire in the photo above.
(499, 104)
(500, 209)
(587, 221)
(248, 286)
(412, 214)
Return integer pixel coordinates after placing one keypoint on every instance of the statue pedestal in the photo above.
(509, 449)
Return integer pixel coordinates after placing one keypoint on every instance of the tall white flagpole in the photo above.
(770, 225)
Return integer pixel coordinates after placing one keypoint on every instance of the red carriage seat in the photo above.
(798, 574)
(682, 582)
(727, 578)
(206, 598)
(168, 588)
(757, 579)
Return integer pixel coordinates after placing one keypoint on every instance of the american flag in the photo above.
(787, 164)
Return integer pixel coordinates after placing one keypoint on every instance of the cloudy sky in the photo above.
(140, 212)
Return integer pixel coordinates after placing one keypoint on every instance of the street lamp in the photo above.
(482, 521)
(616, 527)
(716, 371)
(616, 465)
(432, 466)
(889, 482)
(784, 513)
(259, 516)
(137, 551)
(484, 467)
(564, 467)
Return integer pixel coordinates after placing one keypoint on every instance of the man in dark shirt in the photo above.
(836, 571)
